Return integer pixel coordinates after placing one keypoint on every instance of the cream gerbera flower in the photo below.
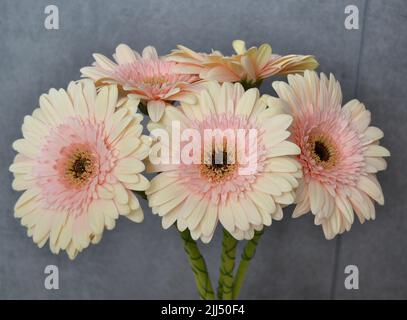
(243, 194)
(78, 160)
(340, 152)
(246, 66)
(147, 77)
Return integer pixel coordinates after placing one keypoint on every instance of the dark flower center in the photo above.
(219, 168)
(323, 151)
(79, 167)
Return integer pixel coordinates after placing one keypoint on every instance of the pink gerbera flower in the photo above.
(243, 183)
(147, 77)
(248, 66)
(340, 152)
(78, 161)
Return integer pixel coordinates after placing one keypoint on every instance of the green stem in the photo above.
(228, 256)
(142, 194)
(247, 254)
(198, 266)
(251, 84)
(143, 108)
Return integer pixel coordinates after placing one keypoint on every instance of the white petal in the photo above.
(251, 211)
(267, 185)
(376, 151)
(26, 197)
(149, 52)
(284, 148)
(136, 216)
(278, 214)
(96, 217)
(301, 208)
(155, 109)
(129, 166)
(24, 147)
(169, 206)
(262, 200)
(286, 198)
(166, 194)
(206, 102)
(282, 164)
(240, 217)
(124, 54)
(104, 192)
(371, 186)
(197, 214)
(210, 220)
(159, 182)
(120, 193)
(58, 223)
(278, 123)
(104, 62)
(362, 205)
(226, 217)
(239, 46)
(66, 234)
(316, 194)
(169, 219)
(246, 103)
(345, 208)
(101, 104)
(373, 134)
(378, 163)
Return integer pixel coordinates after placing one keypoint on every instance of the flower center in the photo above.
(154, 81)
(323, 151)
(218, 167)
(79, 167)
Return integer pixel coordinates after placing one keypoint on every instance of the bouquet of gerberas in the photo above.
(221, 153)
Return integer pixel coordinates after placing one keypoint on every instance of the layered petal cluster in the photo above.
(148, 77)
(80, 156)
(340, 152)
(248, 66)
(242, 184)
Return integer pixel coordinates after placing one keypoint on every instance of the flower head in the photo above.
(147, 77)
(235, 167)
(340, 152)
(79, 158)
(248, 66)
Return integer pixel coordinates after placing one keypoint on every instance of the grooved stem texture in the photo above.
(198, 266)
(247, 254)
(228, 256)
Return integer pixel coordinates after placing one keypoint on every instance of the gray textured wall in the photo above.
(143, 261)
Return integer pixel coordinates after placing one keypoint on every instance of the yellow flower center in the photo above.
(155, 80)
(323, 151)
(79, 167)
(218, 167)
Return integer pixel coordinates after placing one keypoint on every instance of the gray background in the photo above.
(141, 260)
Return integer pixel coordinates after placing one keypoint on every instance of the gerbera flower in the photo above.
(340, 152)
(246, 66)
(78, 160)
(243, 183)
(148, 77)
